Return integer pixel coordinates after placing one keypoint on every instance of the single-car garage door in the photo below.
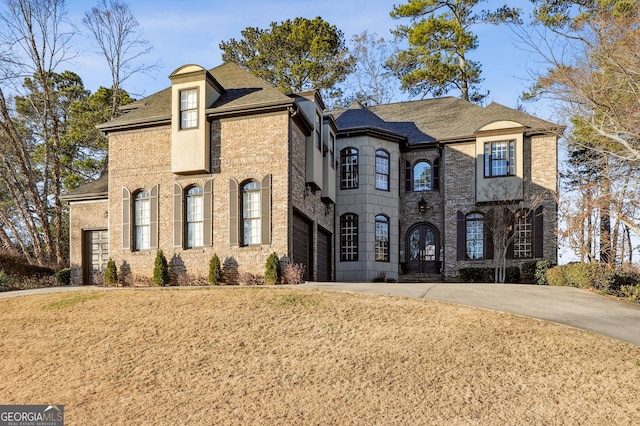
(96, 255)
(324, 255)
(303, 244)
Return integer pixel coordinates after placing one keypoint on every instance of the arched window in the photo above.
(195, 217)
(382, 170)
(142, 220)
(422, 176)
(251, 208)
(348, 168)
(382, 238)
(349, 237)
(474, 236)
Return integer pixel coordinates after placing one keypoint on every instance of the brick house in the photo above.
(221, 162)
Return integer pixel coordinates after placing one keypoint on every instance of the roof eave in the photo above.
(135, 124)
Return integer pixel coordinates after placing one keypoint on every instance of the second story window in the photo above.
(348, 168)
(422, 176)
(189, 109)
(318, 132)
(499, 159)
(332, 150)
(382, 170)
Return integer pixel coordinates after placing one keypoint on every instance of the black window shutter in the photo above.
(126, 219)
(234, 205)
(178, 225)
(154, 206)
(408, 178)
(488, 242)
(538, 230)
(208, 213)
(436, 174)
(461, 237)
(265, 204)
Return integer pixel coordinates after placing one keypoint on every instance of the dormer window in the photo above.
(189, 109)
(499, 159)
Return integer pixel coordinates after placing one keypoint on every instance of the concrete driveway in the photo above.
(563, 305)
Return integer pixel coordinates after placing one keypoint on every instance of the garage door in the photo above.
(324, 255)
(96, 255)
(303, 244)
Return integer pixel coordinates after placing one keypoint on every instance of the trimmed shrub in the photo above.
(293, 273)
(380, 278)
(63, 277)
(582, 275)
(215, 270)
(477, 275)
(273, 272)
(247, 278)
(161, 274)
(540, 275)
(528, 272)
(5, 280)
(111, 274)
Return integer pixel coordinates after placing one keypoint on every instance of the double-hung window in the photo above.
(348, 168)
(195, 217)
(189, 109)
(142, 220)
(523, 243)
(251, 218)
(499, 158)
(382, 238)
(474, 236)
(382, 170)
(349, 237)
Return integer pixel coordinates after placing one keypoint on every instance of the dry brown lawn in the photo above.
(249, 356)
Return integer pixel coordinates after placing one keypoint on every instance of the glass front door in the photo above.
(423, 249)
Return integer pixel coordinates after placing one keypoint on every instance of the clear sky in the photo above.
(183, 32)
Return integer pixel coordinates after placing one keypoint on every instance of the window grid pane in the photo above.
(251, 214)
(382, 170)
(195, 218)
(142, 221)
(382, 239)
(349, 237)
(522, 245)
(349, 168)
(188, 108)
(499, 158)
(422, 176)
(475, 236)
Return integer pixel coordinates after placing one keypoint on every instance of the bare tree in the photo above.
(373, 80)
(118, 35)
(34, 42)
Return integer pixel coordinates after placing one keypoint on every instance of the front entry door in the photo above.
(423, 249)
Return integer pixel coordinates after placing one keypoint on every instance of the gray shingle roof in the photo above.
(242, 90)
(94, 190)
(434, 120)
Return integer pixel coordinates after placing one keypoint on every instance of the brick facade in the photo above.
(250, 132)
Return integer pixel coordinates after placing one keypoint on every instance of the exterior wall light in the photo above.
(422, 205)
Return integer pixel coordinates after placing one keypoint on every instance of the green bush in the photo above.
(273, 271)
(5, 280)
(63, 277)
(215, 270)
(528, 271)
(598, 276)
(111, 273)
(161, 274)
(477, 275)
(541, 268)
